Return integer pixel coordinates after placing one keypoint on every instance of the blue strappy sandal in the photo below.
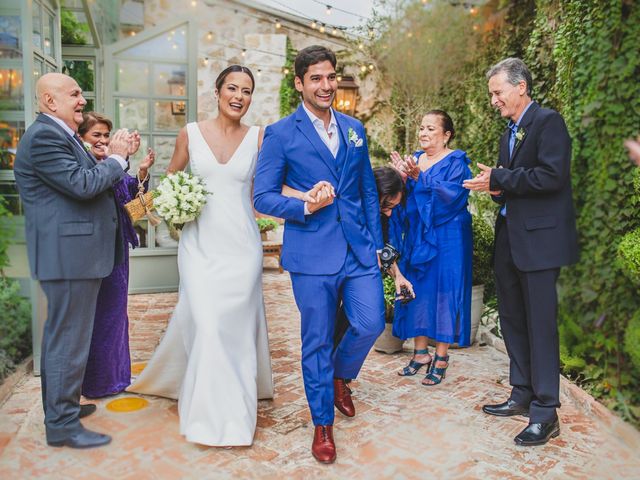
(436, 374)
(414, 367)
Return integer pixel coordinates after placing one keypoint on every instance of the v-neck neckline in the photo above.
(215, 158)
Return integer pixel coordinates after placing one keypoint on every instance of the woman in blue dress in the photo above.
(437, 248)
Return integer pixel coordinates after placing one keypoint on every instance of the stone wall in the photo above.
(224, 28)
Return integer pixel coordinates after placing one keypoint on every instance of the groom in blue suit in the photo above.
(330, 241)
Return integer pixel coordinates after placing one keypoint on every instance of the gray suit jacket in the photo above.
(70, 212)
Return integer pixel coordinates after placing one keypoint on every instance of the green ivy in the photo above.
(289, 96)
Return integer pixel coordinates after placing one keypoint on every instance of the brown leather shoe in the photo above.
(323, 447)
(342, 398)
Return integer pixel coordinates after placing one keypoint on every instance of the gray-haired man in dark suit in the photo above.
(71, 231)
(535, 236)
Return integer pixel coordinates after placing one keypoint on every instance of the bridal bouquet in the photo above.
(179, 198)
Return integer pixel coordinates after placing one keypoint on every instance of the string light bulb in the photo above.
(194, 3)
(259, 72)
(322, 28)
(473, 10)
(285, 70)
(339, 78)
(244, 52)
(371, 32)
(371, 67)
(314, 24)
(205, 61)
(278, 24)
(210, 35)
(328, 9)
(334, 32)
(363, 68)
(361, 46)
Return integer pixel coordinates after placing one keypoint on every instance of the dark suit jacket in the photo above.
(536, 185)
(70, 212)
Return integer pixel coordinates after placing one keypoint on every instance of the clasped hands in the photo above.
(123, 143)
(320, 196)
(482, 181)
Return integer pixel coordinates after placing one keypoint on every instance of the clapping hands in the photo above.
(320, 196)
(146, 164)
(120, 143)
(406, 167)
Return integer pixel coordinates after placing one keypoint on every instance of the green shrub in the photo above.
(628, 256)
(482, 253)
(389, 288)
(266, 224)
(632, 340)
(15, 321)
(6, 365)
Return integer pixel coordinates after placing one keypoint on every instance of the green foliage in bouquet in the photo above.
(266, 224)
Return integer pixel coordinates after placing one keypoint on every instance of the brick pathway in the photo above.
(401, 430)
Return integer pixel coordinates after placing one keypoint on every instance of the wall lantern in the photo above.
(177, 89)
(346, 95)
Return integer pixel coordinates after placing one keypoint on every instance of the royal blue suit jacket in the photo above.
(293, 154)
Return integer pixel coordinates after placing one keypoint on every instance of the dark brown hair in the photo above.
(90, 119)
(445, 121)
(310, 56)
(231, 69)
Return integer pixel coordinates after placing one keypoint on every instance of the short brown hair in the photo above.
(90, 119)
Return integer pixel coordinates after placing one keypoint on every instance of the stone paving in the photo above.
(401, 431)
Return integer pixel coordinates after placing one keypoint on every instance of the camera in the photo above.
(405, 295)
(388, 255)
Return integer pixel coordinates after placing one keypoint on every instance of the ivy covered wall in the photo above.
(585, 61)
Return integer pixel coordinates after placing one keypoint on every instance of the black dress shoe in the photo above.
(538, 433)
(506, 409)
(87, 409)
(84, 439)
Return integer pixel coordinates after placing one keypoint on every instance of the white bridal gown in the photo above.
(214, 357)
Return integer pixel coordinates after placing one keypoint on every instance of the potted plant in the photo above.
(265, 225)
(386, 342)
(483, 280)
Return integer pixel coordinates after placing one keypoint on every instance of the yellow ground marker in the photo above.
(127, 404)
(137, 368)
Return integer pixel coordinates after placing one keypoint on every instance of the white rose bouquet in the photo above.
(179, 198)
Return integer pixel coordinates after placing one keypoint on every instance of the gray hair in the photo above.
(516, 71)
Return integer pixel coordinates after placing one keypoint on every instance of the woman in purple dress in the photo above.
(108, 369)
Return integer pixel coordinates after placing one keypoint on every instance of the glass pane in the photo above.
(132, 114)
(132, 77)
(72, 3)
(134, 160)
(10, 133)
(91, 105)
(10, 45)
(38, 68)
(169, 115)
(141, 227)
(170, 79)
(83, 71)
(11, 90)
(166, 237)
(49, 68)
(49, 42)
(9, 191)
(37, 26)
(74, 28)
(168, 46)
(163, 146)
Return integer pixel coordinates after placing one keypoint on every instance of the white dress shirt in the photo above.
(66, 128)
(329, 136)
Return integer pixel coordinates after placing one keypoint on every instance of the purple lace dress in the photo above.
(109, 365)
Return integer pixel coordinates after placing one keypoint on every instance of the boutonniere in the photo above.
(87, 146)
(354, 138)
(520, 134)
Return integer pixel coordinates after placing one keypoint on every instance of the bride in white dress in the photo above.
(214, 357)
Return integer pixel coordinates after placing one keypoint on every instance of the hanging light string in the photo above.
(331, 7)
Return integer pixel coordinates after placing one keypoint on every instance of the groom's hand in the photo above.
(322, 195)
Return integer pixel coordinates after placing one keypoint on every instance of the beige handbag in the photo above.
(142, 206)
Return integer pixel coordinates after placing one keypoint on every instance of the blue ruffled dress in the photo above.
(437, 251)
